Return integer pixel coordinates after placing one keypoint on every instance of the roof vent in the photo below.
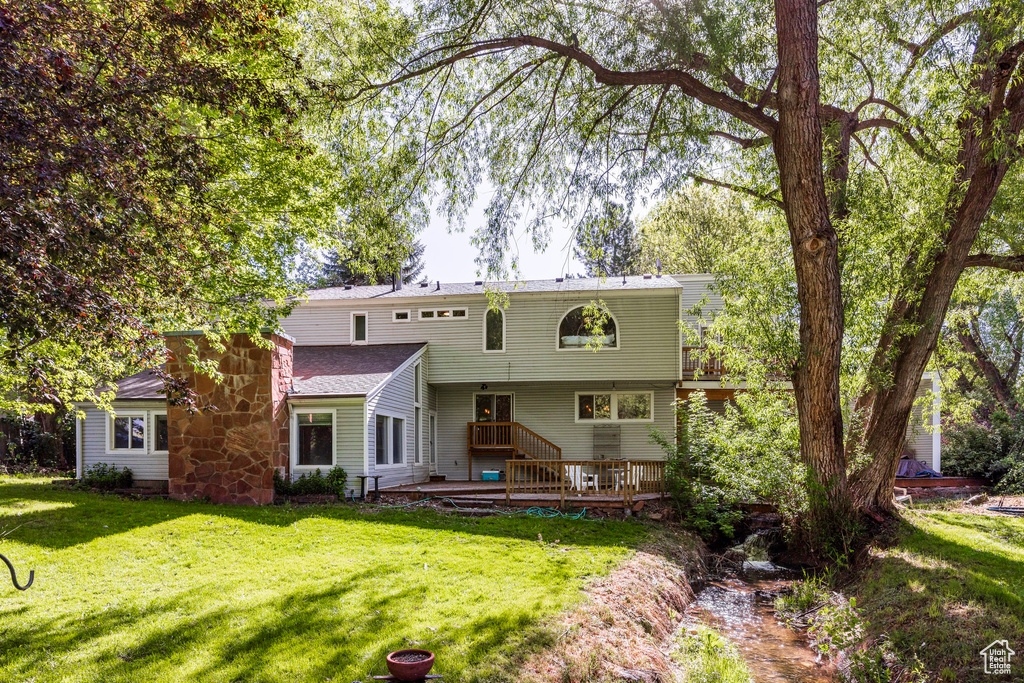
(438, 286)
(478, 283)
(424, 283)
(647, 276)
(348, 286)
(559, 279)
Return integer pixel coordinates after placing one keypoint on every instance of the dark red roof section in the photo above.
(354, 370)
(140, 386)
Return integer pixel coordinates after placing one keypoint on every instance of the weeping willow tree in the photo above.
(882, 132)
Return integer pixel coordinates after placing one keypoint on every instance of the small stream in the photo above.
(741, 607)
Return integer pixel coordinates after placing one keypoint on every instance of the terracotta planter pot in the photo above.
(410, 671)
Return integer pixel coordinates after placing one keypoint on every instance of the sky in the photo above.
(449, 255)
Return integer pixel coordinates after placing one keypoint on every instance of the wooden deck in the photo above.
(929, 482)
(494, 493)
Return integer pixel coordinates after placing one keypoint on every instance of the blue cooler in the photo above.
(490, 475)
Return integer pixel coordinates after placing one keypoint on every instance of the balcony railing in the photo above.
(697, 360)
(572, 478)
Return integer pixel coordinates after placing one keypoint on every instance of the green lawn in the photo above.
(951, 584)
(169, 591)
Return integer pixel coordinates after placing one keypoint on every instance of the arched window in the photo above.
(587, 327)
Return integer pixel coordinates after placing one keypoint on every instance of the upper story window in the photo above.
(400, 316)
(358, 328)
(494, 330)
(587, 327)
(444, 314)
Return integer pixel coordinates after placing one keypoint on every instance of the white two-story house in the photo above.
(425, 381)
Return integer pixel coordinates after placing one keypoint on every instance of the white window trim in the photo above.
(417, 408)
(417, 443)
(483, 342)
(152, 439)
(396, 319)
(472, 410)
(352, 327)
(615, 406)
(144, 414)
(294, 438)
(391, 464)
(435, 311)
(558, 335)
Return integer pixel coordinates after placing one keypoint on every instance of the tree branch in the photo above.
(688, 84)
(1011, 263)
(745, 143)
(904, 132)
(736, 188)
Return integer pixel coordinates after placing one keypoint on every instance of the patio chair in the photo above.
(580, 480)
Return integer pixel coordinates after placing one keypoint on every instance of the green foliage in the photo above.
(106, 477)
(988, 449)
(696, 229)
(165, 169)
(313, 483)
(707, 657)
(608, 244)
(750, 453)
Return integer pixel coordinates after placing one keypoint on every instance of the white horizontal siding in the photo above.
(919, 431)
(647, 324)
(396, 400)
(697, 291)
(549, 410)
(143, 464)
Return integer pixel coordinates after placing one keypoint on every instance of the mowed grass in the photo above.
(950, 585)
(170, 591)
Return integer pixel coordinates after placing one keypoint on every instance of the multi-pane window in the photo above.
(444, 314)
(128, 433)
(494, 330)
(614, 406)
(315, 439)
(389, 440)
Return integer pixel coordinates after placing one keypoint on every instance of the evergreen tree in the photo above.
(353, 268)
(608, 243)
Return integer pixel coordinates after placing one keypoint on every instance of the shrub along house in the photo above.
(419, 382)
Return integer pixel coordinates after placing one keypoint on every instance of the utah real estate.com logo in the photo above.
(997, 657)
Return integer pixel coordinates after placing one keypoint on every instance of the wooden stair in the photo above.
(508, 441)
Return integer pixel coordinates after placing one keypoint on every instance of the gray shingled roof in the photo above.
(141, 385)
(582, 284)
(346, 370)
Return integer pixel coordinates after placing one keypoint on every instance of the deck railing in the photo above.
(573, 478)
(696, 359)
(510, 435)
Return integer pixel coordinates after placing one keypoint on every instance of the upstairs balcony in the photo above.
(697, 361)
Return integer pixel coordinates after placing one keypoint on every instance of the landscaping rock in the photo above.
(978, 499)
(639, 505)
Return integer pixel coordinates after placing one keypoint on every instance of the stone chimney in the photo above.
(228, 455)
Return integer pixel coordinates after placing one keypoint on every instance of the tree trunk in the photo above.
(997, 383)
(798, 150)
(872, 487)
